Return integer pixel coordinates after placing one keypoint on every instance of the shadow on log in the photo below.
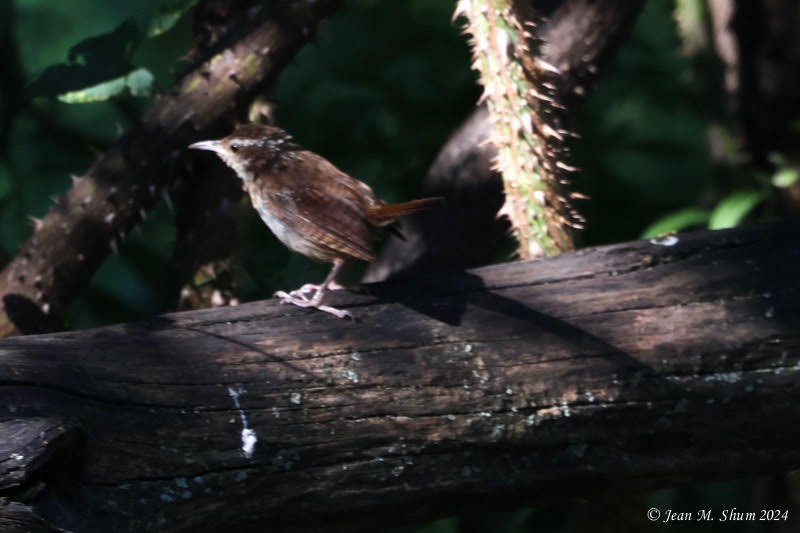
(644, 363)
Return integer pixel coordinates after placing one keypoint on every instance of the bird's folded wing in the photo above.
(335, 221)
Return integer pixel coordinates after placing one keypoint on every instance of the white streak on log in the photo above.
(249, 438)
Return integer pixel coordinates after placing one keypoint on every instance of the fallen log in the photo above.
(650, 362)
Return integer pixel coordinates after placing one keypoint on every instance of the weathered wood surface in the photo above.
(633, 362)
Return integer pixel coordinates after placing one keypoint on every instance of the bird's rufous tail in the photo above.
(386, 214)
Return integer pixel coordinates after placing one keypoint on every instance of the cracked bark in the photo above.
(634, 363)
(74, 238)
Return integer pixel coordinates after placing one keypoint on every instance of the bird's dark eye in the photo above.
(234, 148)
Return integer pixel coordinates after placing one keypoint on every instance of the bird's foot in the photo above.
(299, 298)
(303, 291)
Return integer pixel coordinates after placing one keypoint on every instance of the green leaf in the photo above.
(96, 93)
(785, 177)
(732, 210)
(677, 221)
(167, 15)
(94, 62)
(139, 82)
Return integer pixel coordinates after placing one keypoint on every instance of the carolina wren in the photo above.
(310, 205)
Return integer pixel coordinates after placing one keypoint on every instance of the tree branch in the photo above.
(639, 362)
(580, 37)
(71, 242)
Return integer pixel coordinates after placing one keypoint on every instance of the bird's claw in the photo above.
(290, 297)
(338, 313)
(299, 298)
(304, 290)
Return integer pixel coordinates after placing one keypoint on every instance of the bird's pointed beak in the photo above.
(213, 146)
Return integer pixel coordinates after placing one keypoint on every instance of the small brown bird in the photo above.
(310, 205)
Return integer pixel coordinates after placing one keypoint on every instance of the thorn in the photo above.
(540, 96)
(38, 223)
(504, 212)
(544, 65)
(550, 132)
(461, 9)
(566, 167)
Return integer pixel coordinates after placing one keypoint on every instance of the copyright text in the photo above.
(733, 514)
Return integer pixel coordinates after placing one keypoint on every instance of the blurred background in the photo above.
(377, 93)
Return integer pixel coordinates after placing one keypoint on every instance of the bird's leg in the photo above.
(319, 290)
(299, 297)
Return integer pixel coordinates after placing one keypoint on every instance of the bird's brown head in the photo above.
(251, 149)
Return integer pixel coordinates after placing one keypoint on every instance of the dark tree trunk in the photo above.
(759, 46)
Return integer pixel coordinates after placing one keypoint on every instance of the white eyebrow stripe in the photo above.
(248, 142)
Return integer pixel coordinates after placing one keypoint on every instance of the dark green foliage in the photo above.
(642, 149)
(377, 93)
